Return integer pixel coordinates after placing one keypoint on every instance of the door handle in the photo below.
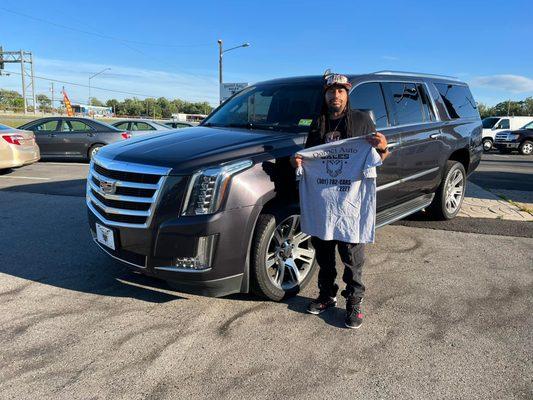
(435, 135)
(392, 145)
(51, 134)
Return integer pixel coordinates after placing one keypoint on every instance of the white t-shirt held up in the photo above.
(338, 190)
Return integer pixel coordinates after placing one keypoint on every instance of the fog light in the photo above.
(204, 255)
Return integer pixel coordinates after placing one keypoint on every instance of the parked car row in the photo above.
(494, 126)
(70, 137)
(520, 139)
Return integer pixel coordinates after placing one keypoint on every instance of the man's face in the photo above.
(336, 98)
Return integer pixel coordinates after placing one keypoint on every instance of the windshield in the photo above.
(529, 125)
(280, 107)
(488, 123)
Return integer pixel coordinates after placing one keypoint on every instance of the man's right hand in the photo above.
(296, 161)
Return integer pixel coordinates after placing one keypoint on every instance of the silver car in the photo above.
(140, 126)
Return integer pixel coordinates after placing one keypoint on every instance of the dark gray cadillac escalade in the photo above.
(214, 208)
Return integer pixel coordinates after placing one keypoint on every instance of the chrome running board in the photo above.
(400, 211)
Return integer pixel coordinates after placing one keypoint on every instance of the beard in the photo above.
(333, 108)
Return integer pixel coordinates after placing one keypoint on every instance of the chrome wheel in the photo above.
(527, 148)
(454, 192)
(289, 255)
(93, 151)
(487, 145)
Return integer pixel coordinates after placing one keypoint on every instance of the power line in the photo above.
(82, 85)
(102, 36)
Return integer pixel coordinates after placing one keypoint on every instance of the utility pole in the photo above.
(220, 54)
(25, 59)
(23, 83)
(52, 90)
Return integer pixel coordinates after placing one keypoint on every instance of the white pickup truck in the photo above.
(493, 125)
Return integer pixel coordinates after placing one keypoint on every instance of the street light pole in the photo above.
(91, 77)
(220, 54)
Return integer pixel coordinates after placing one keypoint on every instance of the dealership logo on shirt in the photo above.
(334, 159)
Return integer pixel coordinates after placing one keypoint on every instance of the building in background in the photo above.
(188, 117)
(92, 111)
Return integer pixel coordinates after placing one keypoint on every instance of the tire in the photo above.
(273, 260)
(93, 150)
(526, 148)
(451, 192)
(487, 144)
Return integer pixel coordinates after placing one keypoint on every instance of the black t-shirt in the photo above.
(336, 129)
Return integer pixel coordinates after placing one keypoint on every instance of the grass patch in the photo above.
(520, 206)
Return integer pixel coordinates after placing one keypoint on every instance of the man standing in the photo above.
(337, 121)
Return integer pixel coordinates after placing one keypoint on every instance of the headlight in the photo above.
(514, 136)
(207, 187)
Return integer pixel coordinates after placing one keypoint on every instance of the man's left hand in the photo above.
(379, 141)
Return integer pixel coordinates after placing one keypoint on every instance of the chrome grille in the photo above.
(502, 137)
(124, 194)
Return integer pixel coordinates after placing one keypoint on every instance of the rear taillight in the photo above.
(13, 139)
(125, 135)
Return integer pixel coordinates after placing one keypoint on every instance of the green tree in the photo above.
(11, 100)
(484, 110)
(95, 102)
(508, 108)
(167, 107)
(152, 108)
(114, 104)
(133, 107)
(527, 106)
(44, 102)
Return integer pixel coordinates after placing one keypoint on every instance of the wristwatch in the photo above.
(382, 151)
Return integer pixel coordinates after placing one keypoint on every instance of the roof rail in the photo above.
(418, 74)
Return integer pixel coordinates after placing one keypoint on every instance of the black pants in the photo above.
(353, 258)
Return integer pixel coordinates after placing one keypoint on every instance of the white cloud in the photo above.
(510, 83)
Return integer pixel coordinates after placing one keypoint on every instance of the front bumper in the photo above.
(20, 156)
(506, 145)
(153, 251)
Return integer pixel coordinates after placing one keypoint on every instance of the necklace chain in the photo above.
(338, 123)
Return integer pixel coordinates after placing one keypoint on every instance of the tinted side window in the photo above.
(458, 100)
(65, 126)
(369, 97)
(504, 124)
(141, 126)
(80, 126)
(46, 126)
(122, 125)
(405, 102)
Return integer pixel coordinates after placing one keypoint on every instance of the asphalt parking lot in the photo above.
(448, 315)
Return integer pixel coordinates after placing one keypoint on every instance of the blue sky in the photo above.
(169, 48)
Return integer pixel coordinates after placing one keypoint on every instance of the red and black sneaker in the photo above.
(322, 303)
(354, 316)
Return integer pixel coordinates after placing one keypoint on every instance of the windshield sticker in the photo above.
(305, 122)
